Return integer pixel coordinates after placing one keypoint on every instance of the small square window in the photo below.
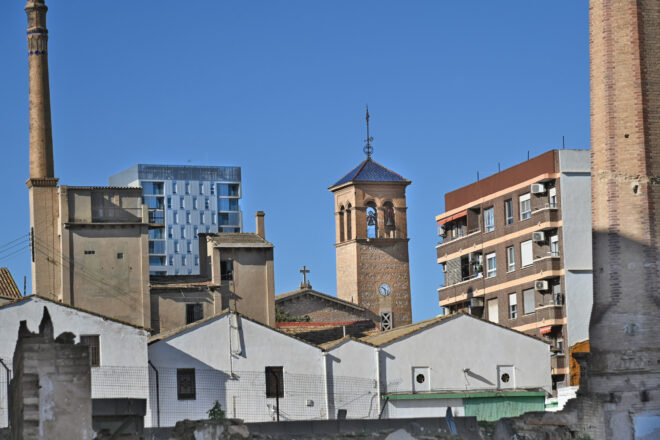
(185, 383)
(226, 270)
(88, 252)
(491, 265)
(120, 255)
(194, 312)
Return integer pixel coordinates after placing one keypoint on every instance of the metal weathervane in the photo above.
(368, 149)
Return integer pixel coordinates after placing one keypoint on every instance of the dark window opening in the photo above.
(92, 341)
(386, 321)
(185, 383)
(505, 377)
(194, 312)
(90, 252)
(226, 270)
(274, 382)
(120, 255)
(420, 378)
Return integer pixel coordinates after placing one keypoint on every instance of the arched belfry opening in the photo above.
(372, 220)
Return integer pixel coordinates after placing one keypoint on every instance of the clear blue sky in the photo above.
(279, 88)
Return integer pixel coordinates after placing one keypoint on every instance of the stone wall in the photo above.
(51, 388)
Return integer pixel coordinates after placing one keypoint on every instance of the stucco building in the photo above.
(118, 351)
(184, 201)
(516, 250)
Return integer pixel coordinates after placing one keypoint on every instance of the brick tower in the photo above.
(372, 241)
(624, 370)
(42, 184)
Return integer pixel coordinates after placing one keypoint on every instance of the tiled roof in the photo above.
(8, 288)
(300, 292)
(370, 171)
(238, 239)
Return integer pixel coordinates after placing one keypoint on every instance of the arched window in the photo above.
(341, 224)
(349, 231)
(372, 220)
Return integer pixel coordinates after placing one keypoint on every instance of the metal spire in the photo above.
(368, 149)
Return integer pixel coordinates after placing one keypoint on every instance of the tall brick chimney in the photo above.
(261, 229)
(624, 369)
(42, 184)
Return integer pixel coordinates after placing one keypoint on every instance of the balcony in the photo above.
(550, 313)
(558, 363)
(157, 216)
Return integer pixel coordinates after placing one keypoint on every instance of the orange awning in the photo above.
(546, 330)
(452, 218)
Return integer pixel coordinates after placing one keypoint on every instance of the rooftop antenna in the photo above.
(527, 154)
(563, 143)
(499, 168)
(368, 149)
(477, 176)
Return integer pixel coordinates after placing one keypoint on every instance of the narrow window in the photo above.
(188, 217)
(552, 197)
(202, 217)
(386, 320)
(92, 341)
(525, 206)
(557, 297)
(491, 265)
(513, 306)
(508, 211)
(526, 253)
(340, 219)
(388, 210)
(554, 246)
(181, 204)
(489, 219)
(510, 259)
(171, 260)
(275, 382)
(212, 188)
(196, 260)
(226, 270)
(493, 311)
(183, 232)
(173, 187)
(187, 187)
(195, 231)
(194, 312)
(185, 383)
(189, 247)
(175, 217)
(372, 220)
(207, 204)
(201, 188)
(349, 230)
(184, 260)
(529, 302)
(169, 202)
(170, 232)
(195, 203)
(177, 249)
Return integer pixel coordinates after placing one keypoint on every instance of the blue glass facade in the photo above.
(184, 201)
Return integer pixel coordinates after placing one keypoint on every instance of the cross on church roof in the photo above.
(305, 284)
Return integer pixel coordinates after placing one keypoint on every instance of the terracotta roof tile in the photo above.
(8, 288)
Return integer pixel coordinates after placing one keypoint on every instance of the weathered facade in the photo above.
(89, 244)
(242, 266)
(515, 251)
(372, 242)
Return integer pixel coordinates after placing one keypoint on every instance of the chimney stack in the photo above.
(261, 230)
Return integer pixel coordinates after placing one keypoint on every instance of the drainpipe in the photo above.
(377, 359)
(325, 385)
(157, 395)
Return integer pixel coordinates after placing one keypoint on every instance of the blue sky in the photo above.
(279, 88)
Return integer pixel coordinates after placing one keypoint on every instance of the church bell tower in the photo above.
(372, 241)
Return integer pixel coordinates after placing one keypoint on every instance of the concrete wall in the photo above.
(452, 346)
(123, 370)
(353, 380)
(168, 306)
(575, 168)
(218, 347)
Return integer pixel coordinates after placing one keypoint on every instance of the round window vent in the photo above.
(505, 377)
(420, 378)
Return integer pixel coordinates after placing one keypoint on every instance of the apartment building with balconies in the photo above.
(516, 249)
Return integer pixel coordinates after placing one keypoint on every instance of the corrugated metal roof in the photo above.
(370, 171)
(8, 288)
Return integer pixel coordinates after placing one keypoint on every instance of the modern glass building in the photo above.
(184, 201)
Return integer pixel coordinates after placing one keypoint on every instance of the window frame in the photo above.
(226, 270)
(94, 349)
(513, 306)
(554, 243)
(194, 312)
(508, 206)
(522, 253)
(510, 258)
(489, 213)
(529, 294)
(525, 214)
(181, 374)
(491, 256)
(274, 376)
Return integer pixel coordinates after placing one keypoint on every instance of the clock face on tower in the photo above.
(384, 289)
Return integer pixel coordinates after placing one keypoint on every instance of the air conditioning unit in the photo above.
(537, 188)
(442, 232)
(541, 285)
(538, 236)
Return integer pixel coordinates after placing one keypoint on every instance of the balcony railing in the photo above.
(549, 312)
(157, 216)
(558, 361)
